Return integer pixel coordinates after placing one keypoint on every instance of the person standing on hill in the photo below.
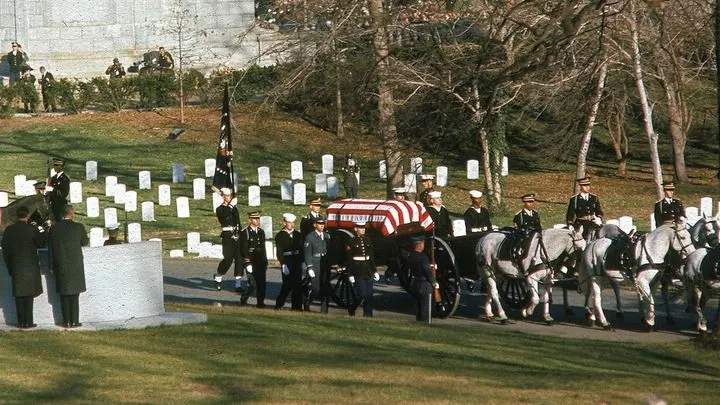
(47, 84)
(352, 172)
(17, 59)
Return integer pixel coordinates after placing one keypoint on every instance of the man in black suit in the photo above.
(19, 248)
(67, 238)
(58, 189)
(252, 250)
(47, 82)
(289, 244)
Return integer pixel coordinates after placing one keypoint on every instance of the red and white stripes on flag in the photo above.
(386, 216)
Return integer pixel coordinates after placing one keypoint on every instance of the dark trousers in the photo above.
(291, 282)
(422, 292)
(57, 207)
(364, 289)
(589, 228)
(260, 275)
(231, 253)
(48, 102)
(24, 309)
(351, 191)
(70, 308)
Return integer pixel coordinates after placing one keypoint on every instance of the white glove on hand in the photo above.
(598, 221)
(249, 268)
(376, 276)
(436, 286)
(285, 270)
(311, 273)
(352, 279)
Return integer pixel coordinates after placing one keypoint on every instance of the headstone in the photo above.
(204, 249)
(254, 196)
(382, 169)
(286, 190)
(29, 187)
(193, 241)
(706, 206)
(416, 165)
(19, 184)
(177, 253)
(328, 164)
(199, 189)
(91, 170)
(217, 200)
(332, 187)
(119, 194)
(134, 231)
(263, 176)
(504, 169)
(178, 173)
(183, 207)
(148, 211)
(96, 237)
(266, 225)
(692, 214)
(92, 205)
(410, 183)
(459, 227)
(473, 169)
(75, 192)
(652, 222)
(270, 250)
(321, 183)
(164, 195)
(110, 183)
(296, 170)
(131, 201)
(299, 194)
(441, 176)
(209, 167)
(4, 199)
(236, 181)
(111, 216)
(626, 223)
(145, 180)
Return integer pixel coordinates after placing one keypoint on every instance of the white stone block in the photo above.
(204, 249)
(29, 187)
(145, 180)
(134, 232)
(441, 176)
(164, 198)
(178, 173)
(416, 165)
(333, 187)
(263, 176)
(321, 183)
(119, 194)
(96, 237)
(296, 170)
(328, 162)
(217, 200)
(131, 201)
(91, 170)
(505, 168)
(148, 211)
(473, 169)
(110, 183)
(410, 183)
(92, 205)
(286, 190)
(692, 214)
(626, 223)
(558, 226)
(183, 207)
(19, 180)
(209, 167)
(382, 169)
(75, 192)
(111, 216)
(4, 199)
(266, 223)
(176, 253)
(254, 196)
(270, 250)
(706, 207)
(199, 189)
(459, 227)
(299, 197)
(193, 241)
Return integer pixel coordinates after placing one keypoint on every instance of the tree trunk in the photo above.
(717, 74)
(339, 131)
(679, 118)
(493, 186)
(589, 124)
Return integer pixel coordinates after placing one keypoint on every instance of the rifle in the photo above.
(436, 291)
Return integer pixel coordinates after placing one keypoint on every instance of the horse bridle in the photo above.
(683, 249)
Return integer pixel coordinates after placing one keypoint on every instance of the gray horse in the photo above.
(701, 278)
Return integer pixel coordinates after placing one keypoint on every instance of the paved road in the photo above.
(190, 280)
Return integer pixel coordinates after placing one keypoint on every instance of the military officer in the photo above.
(57, 189)
(17, 59)
(361, 268)
(19, 249)
(307, 223)
(439, 214)
(289, 245)
(669, 210)
(41, 218)
(400, 194)
(477, 217)
(527, 220)
(424, 282)
(229, 219)
(252, 249)
(584, 209)
(112, 235)
(67, 238)
(351, 171)
(426, 181)
(315, 250)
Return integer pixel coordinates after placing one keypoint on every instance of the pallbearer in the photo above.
(584, 209)
(440, 215)
(424, 281)
(289, 244)
(252, 249)
(361, 268)
(307, 223)
(477, 217)
(315, 252)
(426, 181)
(229, 220)
(400, 194)
(669, 210)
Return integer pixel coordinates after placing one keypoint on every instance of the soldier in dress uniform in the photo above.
(17, 59)
(252, 249)
(28, 94)
(426, 181)
(229, 219)
(116, 70)
(477, 217)
(315, 250)
(19, 249)
(57, 189)
(669, 210)
(439, 214)
(351, 170)
(424, 282)
(289, 244)
(113, 230)
(400, 194)
(527, 220)
(41, 218)
(584, 209)
(361, 268)
(307, 223)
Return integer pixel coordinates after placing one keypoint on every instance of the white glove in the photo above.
(285, 270)
(352, 279)
(376, 276)
(249, 268)
(436, 286)
(598, 221)
(311, 273)
(433, 266)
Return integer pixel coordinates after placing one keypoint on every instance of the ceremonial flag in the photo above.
(224, 176)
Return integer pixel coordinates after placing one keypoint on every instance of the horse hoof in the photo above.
(590, 320)
(489, 319)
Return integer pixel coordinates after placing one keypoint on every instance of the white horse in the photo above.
(701, 279)
(650, 252)
(534, 266)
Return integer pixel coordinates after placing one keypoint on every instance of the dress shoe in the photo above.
(77, 324)
(261, 306)
(29, 325)
(218, 285)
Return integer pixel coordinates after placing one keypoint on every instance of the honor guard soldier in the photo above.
(307, 223)
(477, 217)
(669, 210)
(17, 60)
(47, 85)
(400, 194)
(352, 173)
(252, 249)
(439, 214)
(424, 282)
(116, 70)
(112, 235)
(289, 245)
(361, 268)
(315, 250)
(527, 220)
(229, 219)
(42, 217)
(57, 189)
(584, 209)
(426, 181)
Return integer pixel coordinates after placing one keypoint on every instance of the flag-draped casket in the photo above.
(388, 217)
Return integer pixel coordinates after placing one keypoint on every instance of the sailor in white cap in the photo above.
(439, 214)
(426, 181)
(229, 220)
(289, 244)
(400, 193)
(361, 268)
(112, 235)
(477, 217)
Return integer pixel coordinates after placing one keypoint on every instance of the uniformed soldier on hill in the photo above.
(439, 214)
(361, 268)
(42, 217)
(289, 245)
(165, 61)
(426, 182)
(669, 210)
(477, 217)
(584, 209)
(351, 171)
(229, 219)
(57, 189)
(307, 223)
(424, 282)
(252, 249)
(315, 250)
(527, 220)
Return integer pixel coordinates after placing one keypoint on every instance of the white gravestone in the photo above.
(193, 241)
(199, 189)
(441, 176)
(382, 169)
(333, 187)
(209, 167)
(473, 169)
(505, 168)
(177, 253)
(96, 237)
(4, 199)
(626, 223)
(321, 183)
(91, 170)
(29, 187)
(718, 209)
(183, 207)
(92, 205)
(299, 194)
(706, 206)
(263, 176)
(286, 190)
(266, 225)
(254, 196)
(131, 201)
(217, 200)
(178, 173)
(145, 180)
(410, 183)
(75, 192)
(328, 162)
(164, 195)
(692, 214)
(20, 180)
(416, 165)
(296, 170)
(270, 250)
(459, 227)
(111, 216)
(134, 231)
(110, 183)
(148, 211)
(119, 194)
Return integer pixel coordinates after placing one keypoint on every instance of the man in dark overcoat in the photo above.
(315, 251)
(289, 244)
(19, 248)
(47, 82)
(67, 238)
(424, 282)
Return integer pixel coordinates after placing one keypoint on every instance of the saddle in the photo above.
(515, 246)
(710, 266)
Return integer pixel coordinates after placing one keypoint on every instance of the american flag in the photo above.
(387, 216)
(223, 162)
